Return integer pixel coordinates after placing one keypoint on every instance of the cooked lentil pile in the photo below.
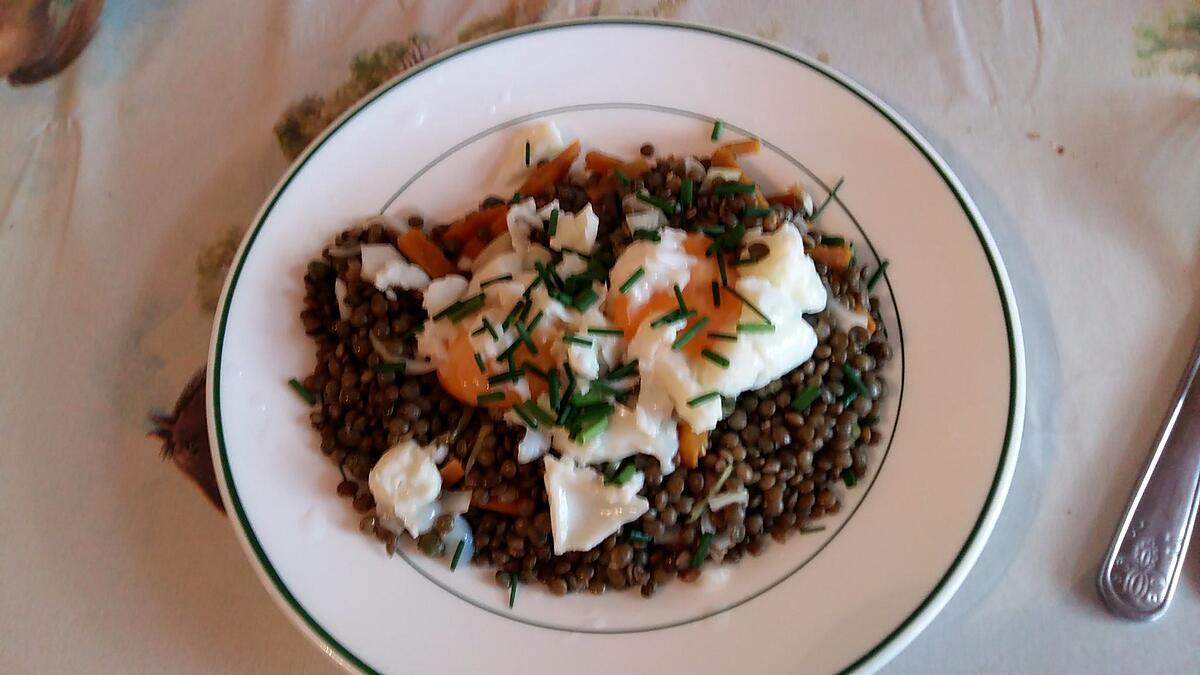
(788, 445)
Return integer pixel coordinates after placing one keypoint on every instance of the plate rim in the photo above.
(972, 547)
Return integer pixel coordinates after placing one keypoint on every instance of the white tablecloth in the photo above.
(125, 178)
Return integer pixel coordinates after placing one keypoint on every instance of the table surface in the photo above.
(125, 180)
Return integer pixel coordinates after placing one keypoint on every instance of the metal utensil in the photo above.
(1142, 567)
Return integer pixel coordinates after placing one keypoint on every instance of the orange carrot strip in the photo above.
(507, 508)
(466, 228)
(473, 248)
(787, 199)
(499, 224)
(691, 446)
(550, 173)
(833, 257)
(452, 472)
(724, 158)
(601, 163)
(742, 147)
(424, 253)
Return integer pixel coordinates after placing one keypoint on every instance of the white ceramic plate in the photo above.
(849, 597)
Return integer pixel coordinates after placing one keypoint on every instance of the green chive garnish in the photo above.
(515, 198)
(870, 421)
(633, 279)
(537, 318)
(489, 397)
(754, 308)
(302, 391)
(811, 529)
(750, 260)
(526, 153)
(553, 223)
(828, 198)
(679, 298)
(647, 235)
(581, 254)
(622, 477)
(877, 275)
(512, 590)
(554, 392)
(805, 398)
(412, 334)
(458, 551)
(713, 230)
(716, 293)
(703, 398)
(532, 369)
(716, 131)
(702, 550)
(592, 430)
(715, 357)
(523, 333)
(638, 535)
(756, 213)
(540, 413)
(479, 362)
(849, 477)
(577, 340)
(685, 193)
(527, 418)
(625, 370)
(717, 335)
(671, 317)
(726, 189)
(855, 378)
(690, 333)
(512, 315)
(663, 205)
(722, 270)
(605, 331)
(384, 367)
(621, 177)
(756, 328)
(506, 376)
(585, 299)
(698, 509)
(490, 329)
(496, 280)
(832, 241)
(848, 398)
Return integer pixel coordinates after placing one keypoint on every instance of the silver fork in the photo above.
(1142, 567)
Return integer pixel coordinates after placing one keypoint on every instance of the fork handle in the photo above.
(1142, 567)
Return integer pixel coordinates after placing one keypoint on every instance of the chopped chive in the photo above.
(621, 177)
(805, 398)
(563, 400)
(702, 550)
(458, 551)
(623, 371)
(553, 386)
(302, 391)
(685, 193)
(756, 328)
(744, 261)
(647, 235)
(479, 362)
(622, 477)
(717, 335)
(577, 340)
(592, 430)
(663, 205)
(540, 413)
(512, 590)
(703, 398)
(633, 279)
(512, 315)
(721, 269)
(690, 333)
(532, 285)
(828, 198)
(459, 310)
(877, 275)
(811, 529)
(713, 230)
(671, 317)
(510, 352)
(832, 241)
(553, 227)
(533, 323)
(585, 299)
(754, 308)
(855, 378)
(848, 398)
(581, 254)
(523, 334)
(716, 131)
(412, 334)
(698, 509)
(384, 367)
(506, 376)
(679, 298)
(755, 212)
(532, 369)
(527, 153)
(566, 412)
(527, 418)
(561, 297)
(849, 477)
(715, 357)
(489, 397)
(478, 331)
(515, 198)
(716, 293)
(639, 536)
(496, 280)
(726, 189)
(605, 331)
(870, 420)
(490, 329)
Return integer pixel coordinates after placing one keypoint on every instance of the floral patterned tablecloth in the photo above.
(138, 139)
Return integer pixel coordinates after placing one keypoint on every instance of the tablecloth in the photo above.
(128, 174)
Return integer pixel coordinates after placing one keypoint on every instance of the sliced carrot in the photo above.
(468, 226)
(788, 199)
(498, 224)
(601, 163)
(725, 159)
(452, 472)
(473, 248)
(513, 508)
(691, 446)
(424, 253)
(833, 257)
(552, 172)
(742, 147)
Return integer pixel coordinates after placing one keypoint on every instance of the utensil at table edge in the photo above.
(1141, 570)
